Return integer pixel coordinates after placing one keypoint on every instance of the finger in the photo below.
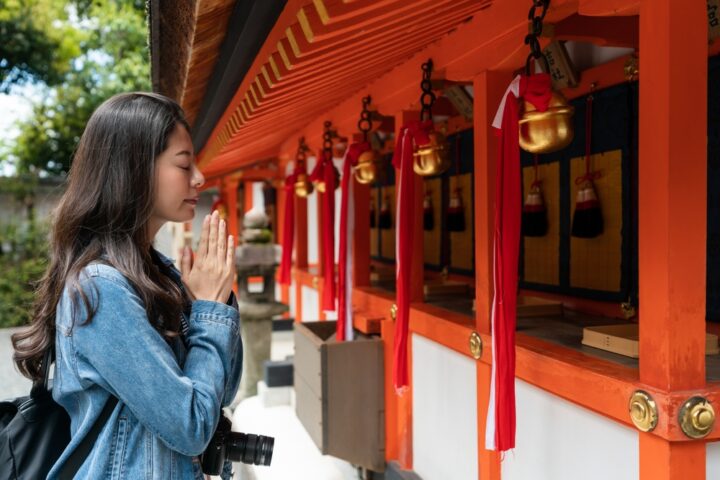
(212, 240)
(230, 257)
(203, 245)
(222, 238)
(185, 262)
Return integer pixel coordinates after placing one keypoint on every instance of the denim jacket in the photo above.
(169, 395)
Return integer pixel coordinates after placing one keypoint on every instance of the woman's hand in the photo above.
(210, 276)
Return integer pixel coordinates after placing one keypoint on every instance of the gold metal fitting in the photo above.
(366, 170)
(320, 184)
(303, 186)
(433, 158)
(393, 311)
(548, 131)
(697, 417)
(643, 411)
(315, 282)
(476, 345)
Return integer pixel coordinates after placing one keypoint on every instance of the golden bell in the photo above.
(433, 158)
(303, 187)
(320, 184)
(366, 170)
(548, 131)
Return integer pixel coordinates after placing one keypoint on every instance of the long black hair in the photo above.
(104, 215)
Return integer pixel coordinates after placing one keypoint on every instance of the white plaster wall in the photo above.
(712, 460)
(310, 304)
(312, 219)
(444, 412)
(558, 440)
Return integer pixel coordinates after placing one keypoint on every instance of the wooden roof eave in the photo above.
(492, 40)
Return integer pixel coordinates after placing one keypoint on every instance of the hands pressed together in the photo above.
(210, 275)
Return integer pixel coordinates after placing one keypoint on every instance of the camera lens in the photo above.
(249, 448)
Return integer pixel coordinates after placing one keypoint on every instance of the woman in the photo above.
(123, 320)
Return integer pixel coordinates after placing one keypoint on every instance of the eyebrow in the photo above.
(184, 152)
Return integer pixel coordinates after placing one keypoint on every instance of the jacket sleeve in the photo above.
(236, 364)
(121, 351)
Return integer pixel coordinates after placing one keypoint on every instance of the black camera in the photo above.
(238, 447)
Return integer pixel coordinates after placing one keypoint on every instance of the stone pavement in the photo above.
(12, 384)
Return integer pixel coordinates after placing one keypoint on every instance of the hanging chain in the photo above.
(300, 155)
(327, 140)
(428, 97)
(531, 38)
(364, 124)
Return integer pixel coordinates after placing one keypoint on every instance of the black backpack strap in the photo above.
(73, 464)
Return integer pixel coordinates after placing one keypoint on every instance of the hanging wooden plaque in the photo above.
(562, 70)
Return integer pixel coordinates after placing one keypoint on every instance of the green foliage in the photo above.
(38, 42)
(23, 260)
(113, 57)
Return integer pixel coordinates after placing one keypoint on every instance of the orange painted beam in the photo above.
(608, 8)
(489, 88)
(672, 194)
(672, 217)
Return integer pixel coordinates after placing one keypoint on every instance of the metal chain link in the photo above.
(327, 139)
(531, 39)
(427, 99)
(364, 124)
(300, 155)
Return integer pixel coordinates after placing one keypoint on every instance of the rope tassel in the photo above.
(534, 214)
(587, 219)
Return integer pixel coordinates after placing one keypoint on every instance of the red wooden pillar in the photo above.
(672, 218)
(488, 88)
(230, 196)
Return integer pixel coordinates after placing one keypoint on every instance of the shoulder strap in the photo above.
(73, 464)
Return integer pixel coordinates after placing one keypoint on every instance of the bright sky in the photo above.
(13, 107)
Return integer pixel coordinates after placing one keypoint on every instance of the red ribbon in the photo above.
(325, 171)
(508, 211)
(344, 322)
(412, 134)
(288, 229)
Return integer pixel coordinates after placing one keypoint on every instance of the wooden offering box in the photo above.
(623, 339)
(339, 393)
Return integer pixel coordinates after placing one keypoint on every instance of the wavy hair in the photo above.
(103, 216)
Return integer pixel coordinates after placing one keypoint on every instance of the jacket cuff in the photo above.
(219, 312)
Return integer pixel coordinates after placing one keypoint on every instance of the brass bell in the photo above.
(432, 158)
(320, 184)
(366, 170)
(303, 187)
(548, 131)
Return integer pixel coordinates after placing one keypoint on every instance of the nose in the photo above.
(198, 178)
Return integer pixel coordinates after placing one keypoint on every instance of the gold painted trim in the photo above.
(292, 41)
(322, 11)
(284, 55)
(254, 94)
(304, 22)
(393, 311)
(697, 417)
(265, 74)
(245, 110)
(275, 68)
(643, 411)
(261, 90)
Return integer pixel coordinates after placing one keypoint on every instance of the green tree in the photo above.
(113, 58)
(23, 260)
(38, 42)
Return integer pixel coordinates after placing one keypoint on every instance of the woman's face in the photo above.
(177, 180)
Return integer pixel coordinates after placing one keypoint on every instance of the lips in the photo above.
(192, 201)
